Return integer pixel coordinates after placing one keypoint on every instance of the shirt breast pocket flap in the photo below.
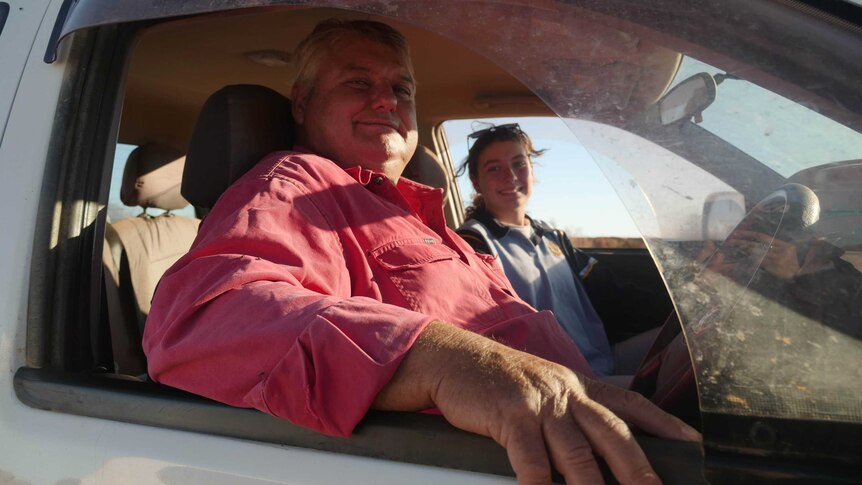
(403, 255)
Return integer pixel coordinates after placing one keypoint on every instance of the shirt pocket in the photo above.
(407, 254)
(433, 280)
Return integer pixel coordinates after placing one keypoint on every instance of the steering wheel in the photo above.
(784, 217)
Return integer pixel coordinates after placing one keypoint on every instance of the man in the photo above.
(322, 284)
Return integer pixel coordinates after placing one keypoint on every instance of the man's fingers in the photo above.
(611, 439)
(636, 409)
(752, 236)
(570, 452)
(528, 456)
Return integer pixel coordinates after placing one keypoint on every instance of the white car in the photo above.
(709, 120)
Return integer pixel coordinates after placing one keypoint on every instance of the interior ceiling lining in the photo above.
(177, 64)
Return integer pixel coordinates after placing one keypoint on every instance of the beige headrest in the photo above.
(152, 178)
(425, 167)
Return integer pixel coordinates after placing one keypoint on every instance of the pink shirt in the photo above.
(308, 283)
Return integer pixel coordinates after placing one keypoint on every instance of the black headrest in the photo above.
(237, 126)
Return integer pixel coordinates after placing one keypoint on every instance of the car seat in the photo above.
(237, 126)
(426, 168)
(138, 250)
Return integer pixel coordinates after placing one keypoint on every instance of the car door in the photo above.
(585, 62)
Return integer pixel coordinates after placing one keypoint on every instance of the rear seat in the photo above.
(138, 250)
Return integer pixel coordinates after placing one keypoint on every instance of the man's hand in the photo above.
(541, 412)
(779, 257)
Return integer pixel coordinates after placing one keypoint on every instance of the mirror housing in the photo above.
(688, 98)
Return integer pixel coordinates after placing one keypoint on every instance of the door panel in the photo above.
(630, 299)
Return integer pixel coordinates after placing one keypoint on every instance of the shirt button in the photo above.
(378, 180)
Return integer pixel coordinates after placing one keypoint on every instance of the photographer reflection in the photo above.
(784, 261)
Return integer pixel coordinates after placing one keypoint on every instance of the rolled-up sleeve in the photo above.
(260, 313)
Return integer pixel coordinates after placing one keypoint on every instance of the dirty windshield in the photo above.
(751, 206)
(749, 202)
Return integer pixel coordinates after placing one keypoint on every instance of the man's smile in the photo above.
(380, 123)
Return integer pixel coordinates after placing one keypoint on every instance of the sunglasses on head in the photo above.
(512, 127)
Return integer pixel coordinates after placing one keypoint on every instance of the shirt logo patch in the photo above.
(555, 248)
(429, 240)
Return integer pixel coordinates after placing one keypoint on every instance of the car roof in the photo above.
(459, 80)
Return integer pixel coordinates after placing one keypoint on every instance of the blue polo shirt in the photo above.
(534, 261)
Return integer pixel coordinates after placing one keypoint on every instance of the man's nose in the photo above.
(383, 98)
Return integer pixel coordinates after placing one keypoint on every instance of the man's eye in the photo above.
(492, 169)
(359, 83)
(403, 91)
(520, 164)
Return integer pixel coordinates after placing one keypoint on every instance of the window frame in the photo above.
(4, 14)
(62, 297)
(66, 288)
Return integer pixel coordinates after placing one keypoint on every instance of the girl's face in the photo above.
(504, 178)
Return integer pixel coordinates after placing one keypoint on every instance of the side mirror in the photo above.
(686, 99)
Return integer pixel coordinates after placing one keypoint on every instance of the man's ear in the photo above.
(475, 182)
(299, 98)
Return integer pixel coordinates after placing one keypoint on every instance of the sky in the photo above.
(571, 192)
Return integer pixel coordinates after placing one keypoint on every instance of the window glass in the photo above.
(769, 310)
(664, 192)
(772, 310)
(763, 343)
(782, 134)
(684, 186)
(582, 190)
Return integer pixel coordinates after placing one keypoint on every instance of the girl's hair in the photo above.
(484, 138)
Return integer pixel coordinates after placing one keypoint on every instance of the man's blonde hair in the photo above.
(329, 33)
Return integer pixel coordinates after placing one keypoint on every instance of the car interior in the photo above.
(204, 97)
(138, 250)
(207, 97)
(215, 91)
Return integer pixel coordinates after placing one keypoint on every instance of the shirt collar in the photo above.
(498, 229)
(363, 175)
(410, 190)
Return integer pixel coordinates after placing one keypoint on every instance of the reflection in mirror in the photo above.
(688, 98)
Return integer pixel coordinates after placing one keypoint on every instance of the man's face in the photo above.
(360, 109)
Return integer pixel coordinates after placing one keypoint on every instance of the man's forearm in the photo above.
(542, 413)
(414, 384)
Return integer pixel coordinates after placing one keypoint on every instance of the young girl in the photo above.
(544, 268)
